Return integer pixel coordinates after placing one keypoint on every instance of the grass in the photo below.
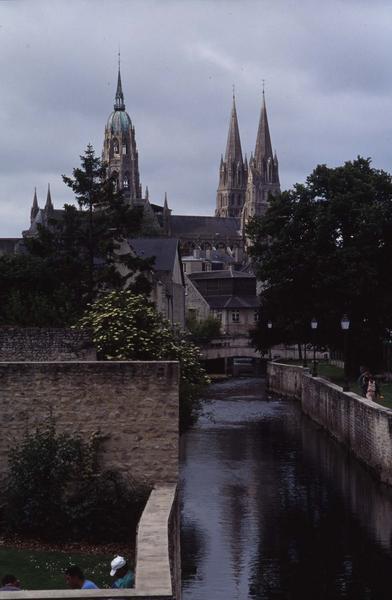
(336, 375)
(38, 570)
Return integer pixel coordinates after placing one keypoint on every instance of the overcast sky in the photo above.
(327, 66)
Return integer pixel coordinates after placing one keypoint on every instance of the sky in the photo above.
(328, 78)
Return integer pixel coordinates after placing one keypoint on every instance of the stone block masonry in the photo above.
(363, 426)
(42, 344)
(133, 405)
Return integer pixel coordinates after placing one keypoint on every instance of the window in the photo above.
(218, 315)
(235, 316)
(124, 149)
(115, 146)
(257, 316)
(125, 182)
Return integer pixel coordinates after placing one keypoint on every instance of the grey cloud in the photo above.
(327, 67)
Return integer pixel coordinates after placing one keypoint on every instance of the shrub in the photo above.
(54, 488)
(126, 326)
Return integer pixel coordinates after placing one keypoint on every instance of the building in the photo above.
(230, 297)
(168, 289)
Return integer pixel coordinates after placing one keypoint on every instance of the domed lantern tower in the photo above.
(119, 149)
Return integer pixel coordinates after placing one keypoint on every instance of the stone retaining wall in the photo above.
(132, 405)
(156, 576)
(363, 426)
(43, 344)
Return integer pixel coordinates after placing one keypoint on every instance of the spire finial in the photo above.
(263, 84)
(233, 86)
(119, 100)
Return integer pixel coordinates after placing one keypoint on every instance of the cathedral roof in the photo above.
(195, 226)
(119, 121)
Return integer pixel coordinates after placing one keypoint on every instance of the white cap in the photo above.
(116, 564)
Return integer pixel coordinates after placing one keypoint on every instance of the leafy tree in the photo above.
(323, 249)
(203, 331)
(127, 327)
(54, 488)
(67, 264)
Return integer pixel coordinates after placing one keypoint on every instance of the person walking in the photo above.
(373, 390)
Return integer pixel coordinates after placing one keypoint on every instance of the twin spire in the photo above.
(233, 147)
(263, 148)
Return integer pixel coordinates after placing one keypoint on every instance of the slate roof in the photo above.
(195, 226)
(224, 274)
(164, 250)
(219, 302)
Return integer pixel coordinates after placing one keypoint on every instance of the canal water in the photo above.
(274, 509)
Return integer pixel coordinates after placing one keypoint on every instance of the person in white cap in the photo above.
(123, 574)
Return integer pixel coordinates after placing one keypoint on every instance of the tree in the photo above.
(323, 249)
(203, 331)
(75, 258)
(108, 220)
(126, 327)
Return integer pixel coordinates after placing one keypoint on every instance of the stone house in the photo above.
(230, 296)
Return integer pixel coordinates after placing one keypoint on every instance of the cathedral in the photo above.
(243, 188)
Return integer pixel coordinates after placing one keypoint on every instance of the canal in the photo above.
(274, 509)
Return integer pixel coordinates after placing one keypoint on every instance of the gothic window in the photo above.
(256, 316)
(124, 149)
(126, 181)
(115, 146)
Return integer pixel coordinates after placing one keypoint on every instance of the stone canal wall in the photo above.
(45, 343)
(132, 405)
(363, 426)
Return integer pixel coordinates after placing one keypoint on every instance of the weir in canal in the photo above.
(274, 508)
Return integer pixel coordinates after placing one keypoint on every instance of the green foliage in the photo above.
(323, 249)
(203, 331)
(67, 264)
(54, 488)
(127, 327)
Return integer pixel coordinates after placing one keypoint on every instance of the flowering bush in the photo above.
(125, 326)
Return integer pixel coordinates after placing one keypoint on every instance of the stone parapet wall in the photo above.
(287, 380)
(43, 344)
(155, 562)
(132, 405)
(363, 426)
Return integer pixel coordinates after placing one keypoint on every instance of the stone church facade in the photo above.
(243, 188)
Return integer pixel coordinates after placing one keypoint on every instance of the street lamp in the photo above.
(269, 325)
(345, 325)
(314, 325)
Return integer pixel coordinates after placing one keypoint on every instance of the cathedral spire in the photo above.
(263, 150)
(119, 101)
(49, 204)
(35, 207)
(233, 147)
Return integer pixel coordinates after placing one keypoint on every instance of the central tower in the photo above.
(119, 149)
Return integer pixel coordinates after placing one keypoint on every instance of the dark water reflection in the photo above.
(273, 508)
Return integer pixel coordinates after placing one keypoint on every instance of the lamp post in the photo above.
(314, 325)
(345, 325)
(269, 325)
